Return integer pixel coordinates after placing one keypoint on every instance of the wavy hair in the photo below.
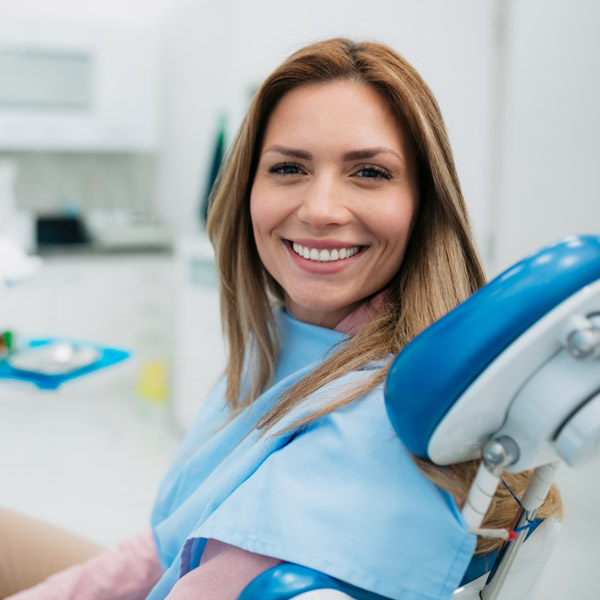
(440, 269)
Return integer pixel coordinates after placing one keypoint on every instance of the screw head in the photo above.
(584, 344)
(500, 452)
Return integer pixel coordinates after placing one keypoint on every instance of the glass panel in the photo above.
(35, 79)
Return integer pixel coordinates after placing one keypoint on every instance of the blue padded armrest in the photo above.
(288, 580)
(435, 368)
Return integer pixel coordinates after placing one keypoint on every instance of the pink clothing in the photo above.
(223, 573)
(127, 572)
(130, 571)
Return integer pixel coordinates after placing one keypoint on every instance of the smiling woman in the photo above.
(343, 144)
(333, 199)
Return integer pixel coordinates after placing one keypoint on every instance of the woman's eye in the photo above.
(372, 172)
(285, 169)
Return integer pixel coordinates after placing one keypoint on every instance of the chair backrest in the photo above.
(448, 423)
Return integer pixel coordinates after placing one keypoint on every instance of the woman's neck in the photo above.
(358, 318)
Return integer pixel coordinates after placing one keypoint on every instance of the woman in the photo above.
(340, 233)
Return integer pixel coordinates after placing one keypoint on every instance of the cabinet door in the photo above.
(78, 85)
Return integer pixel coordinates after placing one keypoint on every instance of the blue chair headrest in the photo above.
(437, 366)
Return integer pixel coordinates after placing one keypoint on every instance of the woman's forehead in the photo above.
(345, 116)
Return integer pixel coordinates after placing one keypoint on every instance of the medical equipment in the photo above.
(55, 358)
(50, 362)
(512, 375)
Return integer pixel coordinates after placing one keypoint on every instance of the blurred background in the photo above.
(113, 116)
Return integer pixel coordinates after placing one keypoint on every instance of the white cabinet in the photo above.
(78, 85)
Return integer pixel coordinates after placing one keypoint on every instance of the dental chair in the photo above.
(511, 376)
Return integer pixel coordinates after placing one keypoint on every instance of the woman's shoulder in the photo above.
(316, 494)
(372, 400)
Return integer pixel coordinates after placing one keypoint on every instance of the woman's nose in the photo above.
(323, 204)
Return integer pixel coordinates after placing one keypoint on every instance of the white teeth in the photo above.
(324, 255)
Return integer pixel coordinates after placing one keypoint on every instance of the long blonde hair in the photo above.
(440, 269)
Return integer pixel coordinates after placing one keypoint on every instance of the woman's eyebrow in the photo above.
(292, 152)
(370, 153)
(360, 154)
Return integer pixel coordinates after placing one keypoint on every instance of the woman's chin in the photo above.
(322, 314)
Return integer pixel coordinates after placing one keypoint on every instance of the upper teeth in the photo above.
(324, 255)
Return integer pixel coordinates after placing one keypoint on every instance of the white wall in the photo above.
(112, 10)
(548, 163)
(217, 52)
(196, 72)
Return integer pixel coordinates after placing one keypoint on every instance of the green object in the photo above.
(218, 155)
(8, 337)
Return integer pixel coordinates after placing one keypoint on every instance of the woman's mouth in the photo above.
(325, 255)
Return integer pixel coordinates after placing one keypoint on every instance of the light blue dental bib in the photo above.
(341, 496)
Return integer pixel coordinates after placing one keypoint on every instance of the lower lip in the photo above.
(323, 268)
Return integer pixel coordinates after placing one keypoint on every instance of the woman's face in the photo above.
(333, 199)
